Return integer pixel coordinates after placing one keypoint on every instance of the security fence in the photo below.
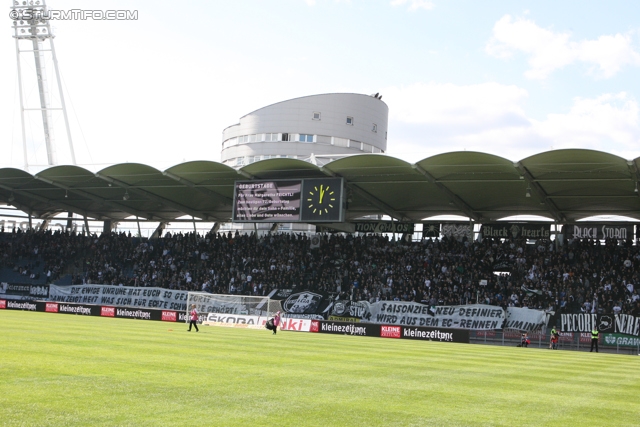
(576, 341)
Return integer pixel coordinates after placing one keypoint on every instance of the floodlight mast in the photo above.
(31, 23)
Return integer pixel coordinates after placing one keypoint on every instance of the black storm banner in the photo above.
(598, 231)
(515, 230)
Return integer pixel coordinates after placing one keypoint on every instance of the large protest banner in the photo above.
(120, 296)
(526, 319)
(473, 316)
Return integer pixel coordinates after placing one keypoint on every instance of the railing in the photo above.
(575, 341)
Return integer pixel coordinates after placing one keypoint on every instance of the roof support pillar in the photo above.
(158, 231)
(215, 228)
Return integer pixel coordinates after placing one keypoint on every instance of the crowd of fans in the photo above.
(579, 276)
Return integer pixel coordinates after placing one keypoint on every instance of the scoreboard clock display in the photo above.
(302, 200)
(321, 200)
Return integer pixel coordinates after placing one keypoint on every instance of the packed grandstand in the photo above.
(580, 276)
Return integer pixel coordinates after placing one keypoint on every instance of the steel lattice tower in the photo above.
(32, 33)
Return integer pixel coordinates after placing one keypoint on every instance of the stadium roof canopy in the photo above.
(564, 186)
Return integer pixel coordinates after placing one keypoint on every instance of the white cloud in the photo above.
(597, 124)
(548, 51)
(428, 119)
(448, 103)
(414, 4)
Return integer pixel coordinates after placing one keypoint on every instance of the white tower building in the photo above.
(316, 128)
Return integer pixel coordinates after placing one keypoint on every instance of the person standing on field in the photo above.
(193, 318)
(276, 322)
(594, 339)
(554, 339)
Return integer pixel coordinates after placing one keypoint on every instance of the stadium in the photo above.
(461, 289)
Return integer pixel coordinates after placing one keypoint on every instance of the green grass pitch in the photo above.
(66, 370)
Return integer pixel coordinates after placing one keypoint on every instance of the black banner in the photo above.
(430, 230)
(457, 230)
(608, 323)
(507, 230)
(24, 290)
(504, 265)
(598, 231)
(384, 227)
(306, 303)
(347, 308)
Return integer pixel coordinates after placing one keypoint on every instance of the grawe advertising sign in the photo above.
(620, 340)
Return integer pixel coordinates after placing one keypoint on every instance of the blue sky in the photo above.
(507, 78)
